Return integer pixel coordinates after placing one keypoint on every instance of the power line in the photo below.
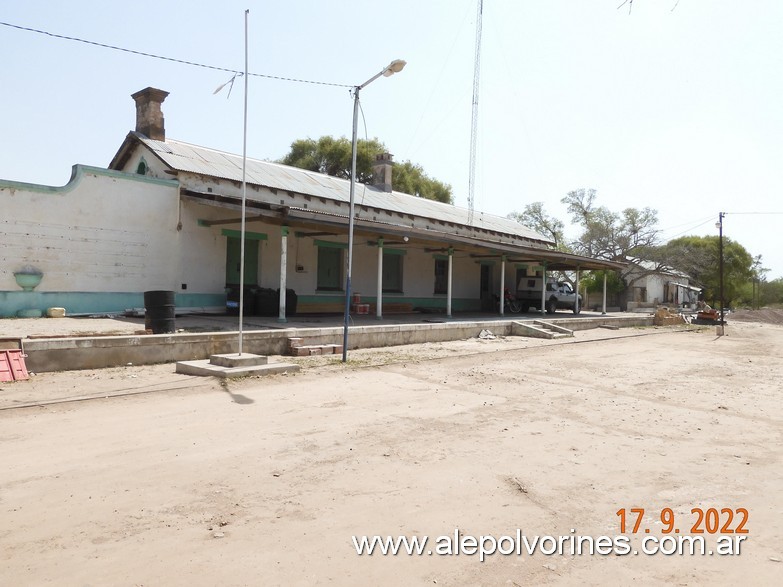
(701, 223)
(755, 213)
(172, 59)
(709, 219)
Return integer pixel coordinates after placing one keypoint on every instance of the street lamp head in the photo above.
(395, 66)
(718, 224)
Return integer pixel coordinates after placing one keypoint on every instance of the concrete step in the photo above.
(237, 360)
(540, 329)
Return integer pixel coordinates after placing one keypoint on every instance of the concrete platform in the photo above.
(234, 365)
(96, 351)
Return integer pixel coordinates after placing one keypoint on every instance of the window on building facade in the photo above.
(330, 269)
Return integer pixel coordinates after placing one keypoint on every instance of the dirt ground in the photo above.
(140, 476)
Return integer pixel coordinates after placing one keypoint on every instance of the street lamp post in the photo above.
(394, 67)
(719, 226)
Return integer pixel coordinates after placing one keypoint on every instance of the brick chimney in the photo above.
(149, 116)
(382, 172)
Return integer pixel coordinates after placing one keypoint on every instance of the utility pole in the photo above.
(719, 224)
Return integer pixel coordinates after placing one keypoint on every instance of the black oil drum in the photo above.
(159, 314)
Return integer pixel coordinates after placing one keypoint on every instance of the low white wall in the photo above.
(104, 231)
(109, 351)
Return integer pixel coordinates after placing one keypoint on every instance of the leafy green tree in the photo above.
(771, 292)
(333, 157)
(410, 178)
(698, 256)
(594, 282)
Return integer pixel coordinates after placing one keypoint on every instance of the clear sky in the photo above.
(675, 108)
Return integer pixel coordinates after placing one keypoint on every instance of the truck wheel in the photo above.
(551, 306)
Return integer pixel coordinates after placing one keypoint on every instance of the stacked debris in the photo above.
(663, 317)
(707, 315)
(297, 349)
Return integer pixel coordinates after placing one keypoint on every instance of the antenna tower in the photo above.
(474, 118)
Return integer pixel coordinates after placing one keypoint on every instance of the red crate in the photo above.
(12, 366)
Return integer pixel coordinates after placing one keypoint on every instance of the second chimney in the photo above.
(149, 116)
(382, 172)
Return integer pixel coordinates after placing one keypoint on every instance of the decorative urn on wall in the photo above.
(28, 277)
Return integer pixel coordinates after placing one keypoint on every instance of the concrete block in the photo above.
(205, 368)
(235, 360)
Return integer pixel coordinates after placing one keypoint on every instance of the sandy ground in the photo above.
(163, 479)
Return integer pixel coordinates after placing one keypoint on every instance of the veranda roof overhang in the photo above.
(554, 260)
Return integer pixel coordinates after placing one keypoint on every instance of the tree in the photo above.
(633, 234)
(607, 234)
(410, 178)
(534, 216)
(771, 292)
(594, 282)
(698, 256)
(333, 157)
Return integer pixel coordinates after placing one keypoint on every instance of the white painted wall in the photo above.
(104, 231)
(203, 266)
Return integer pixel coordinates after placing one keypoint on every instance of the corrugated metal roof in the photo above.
(185, 157)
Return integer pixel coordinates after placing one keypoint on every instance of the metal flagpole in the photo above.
(244, 197)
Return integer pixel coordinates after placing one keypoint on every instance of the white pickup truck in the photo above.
(558, 296)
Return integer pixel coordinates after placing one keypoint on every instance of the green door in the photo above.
(485, 290)
(233, 258)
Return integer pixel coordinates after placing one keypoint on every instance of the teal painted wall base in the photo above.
(11, 302)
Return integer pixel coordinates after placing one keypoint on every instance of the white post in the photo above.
(502, 283)
(379, 302)
(448, 286)
(283, 271)
(543, 289)
(603, 307)
(576, 299)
